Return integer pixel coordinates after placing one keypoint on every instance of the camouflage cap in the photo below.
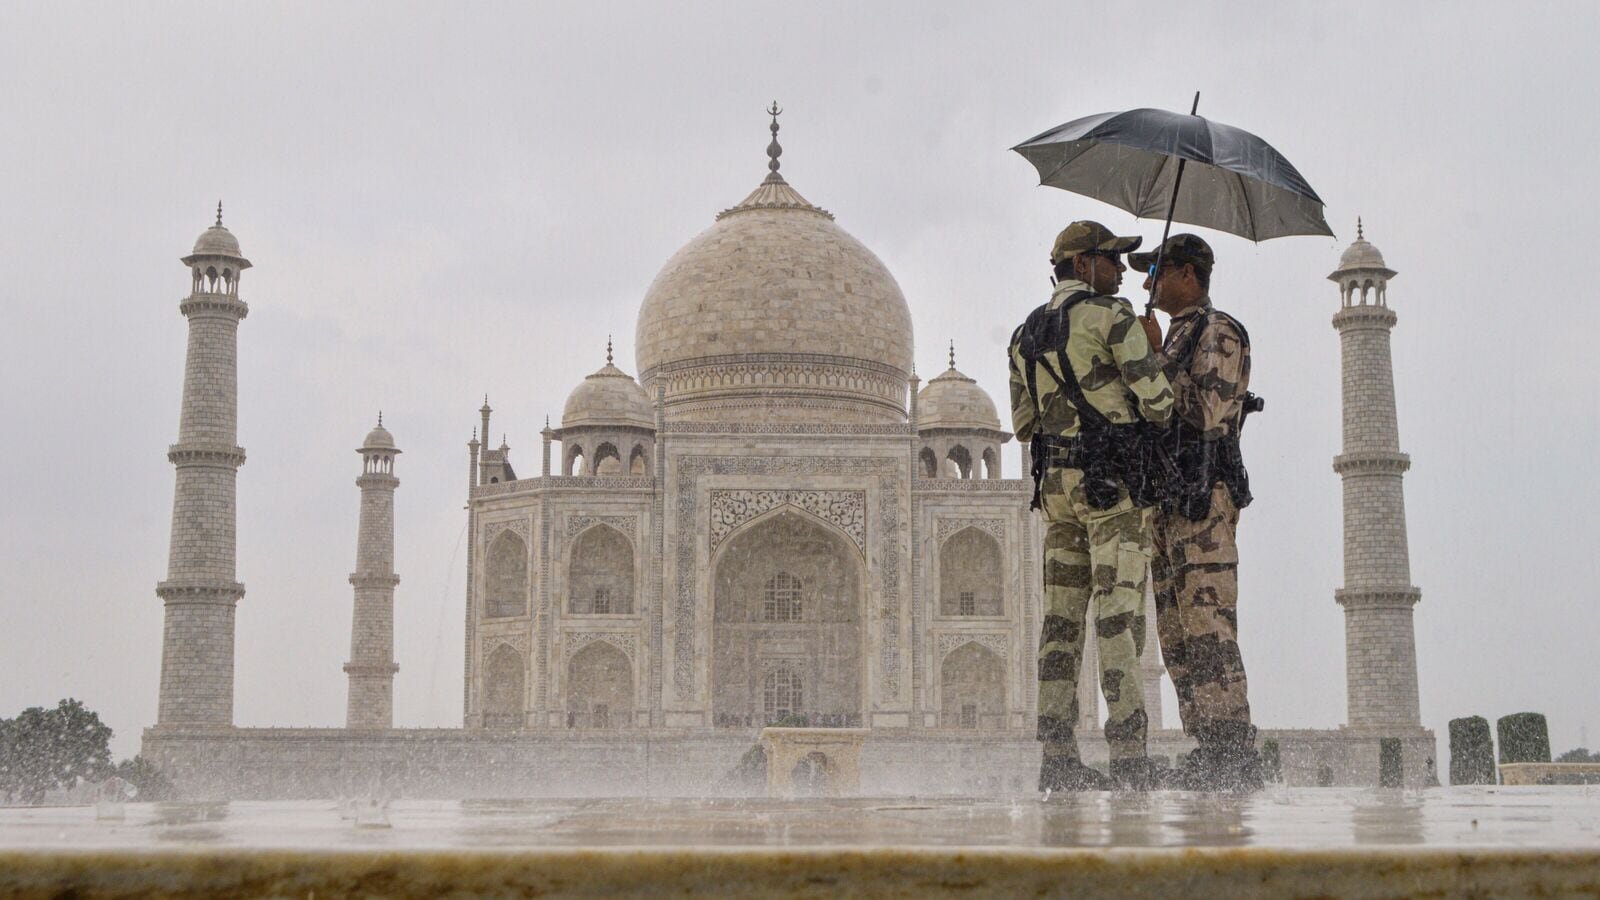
(1179, 249)
(1083, 235)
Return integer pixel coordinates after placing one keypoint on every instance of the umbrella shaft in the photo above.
(1166, 229)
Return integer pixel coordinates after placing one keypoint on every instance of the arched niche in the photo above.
(929, 464)
(599, 687)
(970, 574)
(607, 461)
(991, 462)
(506, 576)
(959, 462)
(574, 463)
(600, 573)
(821, 576)
(638, 461)
(972, 688)
(504, 687)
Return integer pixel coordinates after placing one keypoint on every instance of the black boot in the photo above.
(1068, 773)
(1226, 760)
(1139, 773)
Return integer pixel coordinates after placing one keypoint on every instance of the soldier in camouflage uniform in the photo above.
(1206, 356)
(1092, 551)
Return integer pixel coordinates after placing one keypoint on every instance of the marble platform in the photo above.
(1282, 843)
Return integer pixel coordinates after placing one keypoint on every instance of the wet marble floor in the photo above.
(1282, 842)
(1286, 818)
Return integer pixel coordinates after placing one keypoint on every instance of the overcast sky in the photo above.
(449, 200)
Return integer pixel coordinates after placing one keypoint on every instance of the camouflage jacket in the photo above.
(1210, 389)
(1116, 368)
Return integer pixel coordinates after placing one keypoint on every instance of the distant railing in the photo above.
(787, 720)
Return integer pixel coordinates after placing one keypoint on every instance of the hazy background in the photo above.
(444, 201)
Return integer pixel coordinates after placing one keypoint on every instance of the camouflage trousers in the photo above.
(1098, 555)
(1196, 569)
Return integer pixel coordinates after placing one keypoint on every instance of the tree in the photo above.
(147, 780)
(43, 749)
(1580, 755)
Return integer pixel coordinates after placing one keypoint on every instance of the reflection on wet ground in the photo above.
(1287, 818)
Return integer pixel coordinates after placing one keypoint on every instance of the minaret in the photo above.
(1380, 643)
(371, 666)
(200, 591)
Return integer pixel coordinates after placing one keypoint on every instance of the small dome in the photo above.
(216, 241)
(952, 400)
(1361, 255)
(608, 397)
(379, 438)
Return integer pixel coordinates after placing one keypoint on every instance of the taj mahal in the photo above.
(771, 519)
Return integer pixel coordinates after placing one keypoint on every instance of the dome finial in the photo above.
(774, 150)
(1359, 235)
(608, 349)
(219, 213)
(952, 353)
(380, 418)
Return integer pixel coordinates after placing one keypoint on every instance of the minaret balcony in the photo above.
(1364, 318)
(1372, 462)
(198, 454)
(201, 592)
(1383, 597)
(374, 579)
(223, 305)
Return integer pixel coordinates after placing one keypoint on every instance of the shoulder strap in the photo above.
(1200, 329)
(1034, 349)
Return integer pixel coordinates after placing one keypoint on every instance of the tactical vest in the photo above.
(1203, 463)
(1111, 456)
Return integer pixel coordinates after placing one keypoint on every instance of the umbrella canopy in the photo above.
(1233, 181)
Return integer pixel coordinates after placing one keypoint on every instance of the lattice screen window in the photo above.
(782, 693)
(782, 600)
(602, 601)
(967, 605)
(969, 715)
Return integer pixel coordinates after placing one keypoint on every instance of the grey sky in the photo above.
(444, 201)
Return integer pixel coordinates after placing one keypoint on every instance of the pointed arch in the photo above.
(821, 574)
(506, 576)
(972, 688)
(599, 687)
(600, 572)
(960, 458)
(504, 688)
(575, 460)
(991, 462)
(607, 460)
(929, 463)
(971, 567)
(638, 461)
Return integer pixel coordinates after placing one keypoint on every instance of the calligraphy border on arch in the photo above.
(890, 474)
(732, 508)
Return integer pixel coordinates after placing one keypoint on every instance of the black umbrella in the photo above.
(1137, 161)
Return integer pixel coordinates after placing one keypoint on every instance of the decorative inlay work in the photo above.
(628, 525)
(890, 480)
(995, 527)
(594, 482)
(517, 641)
(1018, 486)
(783, 428)
(491, 530)
(573, 641)
(999, 643)
(846, 509)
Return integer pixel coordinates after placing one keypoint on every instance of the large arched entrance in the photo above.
(786, 635)
(599, 688)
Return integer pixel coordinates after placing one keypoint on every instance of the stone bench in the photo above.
(816, 762)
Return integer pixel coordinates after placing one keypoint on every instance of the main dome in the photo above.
(776, 314)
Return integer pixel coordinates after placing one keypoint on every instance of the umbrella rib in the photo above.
(1249, 212)
(1144, 190)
